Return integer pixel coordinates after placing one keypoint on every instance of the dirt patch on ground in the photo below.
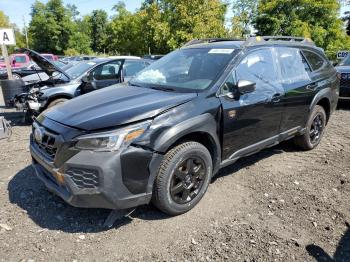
(280, 204)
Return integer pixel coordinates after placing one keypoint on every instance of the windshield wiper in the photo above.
(166, 89)
(132, 84)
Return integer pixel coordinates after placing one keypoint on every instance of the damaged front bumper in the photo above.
(112, 180)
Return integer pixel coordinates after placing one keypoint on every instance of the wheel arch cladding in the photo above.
(323, 98)
(202, 129)
(325, 103)
(58, 96)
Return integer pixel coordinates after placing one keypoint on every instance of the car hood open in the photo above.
(48, 67)
(115, 105)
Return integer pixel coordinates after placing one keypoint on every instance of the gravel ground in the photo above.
(278, 205)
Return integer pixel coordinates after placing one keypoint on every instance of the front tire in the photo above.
(183, 178)
(314, 129)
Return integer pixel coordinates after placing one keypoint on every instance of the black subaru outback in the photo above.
(162, 136)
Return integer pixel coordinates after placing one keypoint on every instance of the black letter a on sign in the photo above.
(6, 37)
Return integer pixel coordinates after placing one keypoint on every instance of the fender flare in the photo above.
(324, 93)
(57, 96)
(204, 123)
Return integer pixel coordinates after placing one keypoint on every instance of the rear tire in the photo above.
(314, 129)
(57, 102)
(183, 178)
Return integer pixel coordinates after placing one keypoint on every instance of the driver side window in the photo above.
(260, 67)
(107, 71)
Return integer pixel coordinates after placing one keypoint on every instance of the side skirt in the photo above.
(266, 143)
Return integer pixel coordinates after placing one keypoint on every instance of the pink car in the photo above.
(17, 60)
(50, 57)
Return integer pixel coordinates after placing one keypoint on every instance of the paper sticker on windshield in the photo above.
(220, 51)
(91, 63)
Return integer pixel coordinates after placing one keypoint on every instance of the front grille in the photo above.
(345, 80)
(84, 178)
(47, 143)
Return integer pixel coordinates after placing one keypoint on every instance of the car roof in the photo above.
(124, 57)
(101, 60)
(217, 45)
(222, 43)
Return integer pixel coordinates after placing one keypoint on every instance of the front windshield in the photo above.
(192, 68)
(79, 69)
(345, 61)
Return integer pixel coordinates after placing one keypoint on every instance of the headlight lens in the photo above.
(112, 141)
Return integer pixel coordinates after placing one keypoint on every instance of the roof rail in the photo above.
(210, 40)
(260, 39)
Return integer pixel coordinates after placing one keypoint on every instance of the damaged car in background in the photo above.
(84, 77)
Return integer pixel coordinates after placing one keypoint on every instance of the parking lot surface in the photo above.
(280, 204)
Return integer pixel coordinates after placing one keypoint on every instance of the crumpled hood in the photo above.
(115, 105)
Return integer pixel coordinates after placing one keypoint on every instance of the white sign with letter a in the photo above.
(7, 36)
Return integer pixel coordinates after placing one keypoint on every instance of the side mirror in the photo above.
(245, 87)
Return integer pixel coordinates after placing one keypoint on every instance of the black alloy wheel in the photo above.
(316, 129)
(183, 178)
(187, 180)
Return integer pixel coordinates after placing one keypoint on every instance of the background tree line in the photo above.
(160, 26)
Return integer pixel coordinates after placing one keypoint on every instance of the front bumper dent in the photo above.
(106, 186)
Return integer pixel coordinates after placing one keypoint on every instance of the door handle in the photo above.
(276, 98)
(312, 86)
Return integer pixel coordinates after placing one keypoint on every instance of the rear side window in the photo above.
(294, 68)
(316, 61)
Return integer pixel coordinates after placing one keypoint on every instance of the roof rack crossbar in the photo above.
(260, 39)
(210, 40)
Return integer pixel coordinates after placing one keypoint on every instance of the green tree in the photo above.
(124, 32)
(4, 20)
(51, 26)
(316, 19)
(80, 42)
(155, 29)
(73, 10)
(168, 24)
(193, 19)
(243, 15)
(98, 30)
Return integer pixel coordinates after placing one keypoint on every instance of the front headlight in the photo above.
(112, 141)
